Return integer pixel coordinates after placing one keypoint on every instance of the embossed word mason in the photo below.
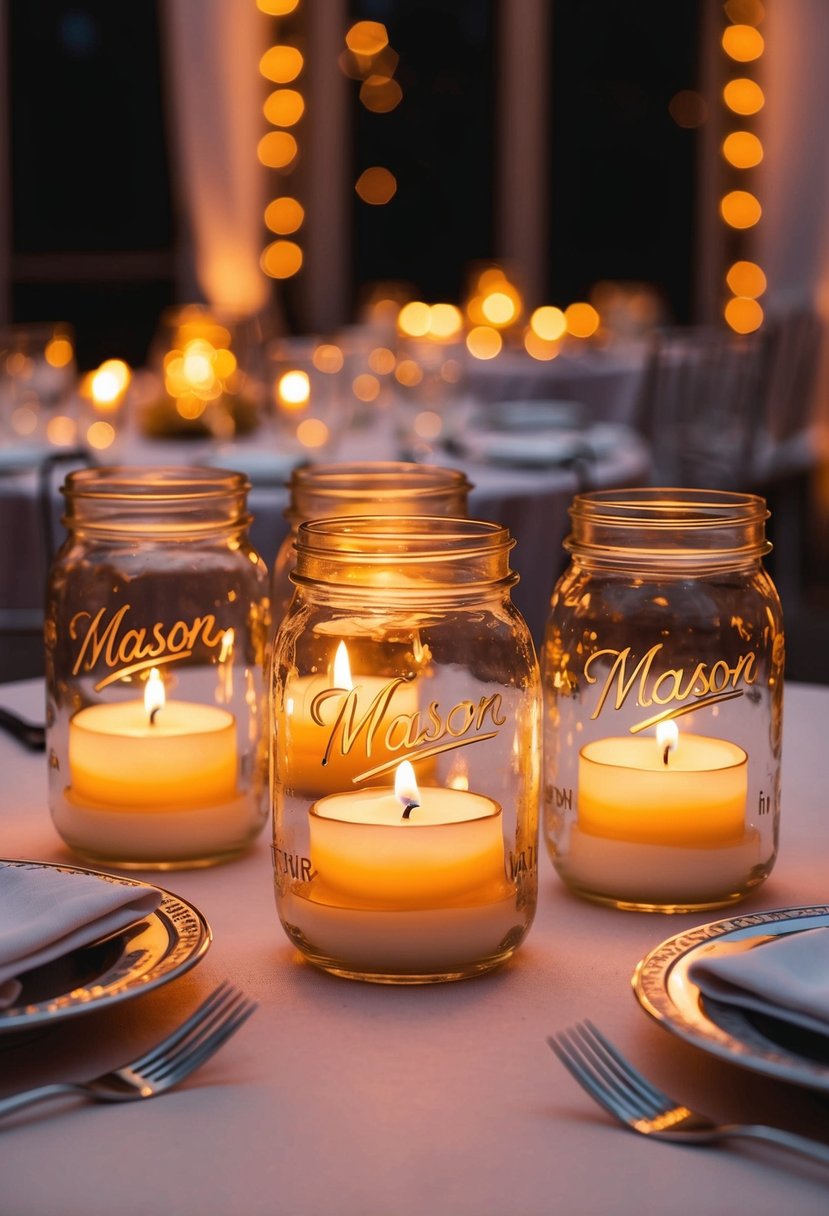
(688, 688)
(125, 650)
(407, 734)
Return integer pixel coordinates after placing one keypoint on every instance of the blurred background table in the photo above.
(529, 495)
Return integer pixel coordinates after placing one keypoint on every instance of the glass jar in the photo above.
(663, 697)
(402, 645)
(156, 621)
(378, 487)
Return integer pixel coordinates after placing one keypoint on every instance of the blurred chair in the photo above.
(701, 406)
(791, 443)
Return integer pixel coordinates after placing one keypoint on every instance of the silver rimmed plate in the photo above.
(665, 991)
(152, 951)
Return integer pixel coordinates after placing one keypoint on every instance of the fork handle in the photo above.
(776, 1135)
(40, 1094)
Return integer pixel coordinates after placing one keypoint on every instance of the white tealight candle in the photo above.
(152, 755)
(688, 791)
(407, 848)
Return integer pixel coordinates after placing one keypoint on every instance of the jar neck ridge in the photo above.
(668, 530)
(156, 503)
(405, 559)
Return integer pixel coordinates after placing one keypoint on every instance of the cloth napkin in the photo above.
(46, 913)
(784, 977)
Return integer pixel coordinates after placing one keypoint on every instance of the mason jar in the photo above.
(662, 672)
(404, 724)
(370, 487)
(156, 622)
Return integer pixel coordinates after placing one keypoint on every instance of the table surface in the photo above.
(348, 1098)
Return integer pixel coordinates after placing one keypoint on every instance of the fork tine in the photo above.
(212, 1019)
(605, 1073)
(181, 1032)
(191, 1058)
(653, 1098)
(571, 1058)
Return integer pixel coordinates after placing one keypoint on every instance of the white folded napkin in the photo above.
(786, 978)
(46, 913)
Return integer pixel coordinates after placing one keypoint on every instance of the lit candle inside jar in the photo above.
(152, 754)
(688, 792)
(406, 848)
(323, 712)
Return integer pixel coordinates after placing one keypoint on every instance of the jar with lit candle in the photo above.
(405, 750)
(156, 624)
(662, 672)
(371, 487)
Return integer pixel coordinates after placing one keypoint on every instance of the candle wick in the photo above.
(410, 806)
(153, 712)
(665, 754)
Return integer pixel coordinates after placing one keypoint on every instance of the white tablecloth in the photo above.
(355, 1100)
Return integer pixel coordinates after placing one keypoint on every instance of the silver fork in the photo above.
(165, 1065)
(629, 1097)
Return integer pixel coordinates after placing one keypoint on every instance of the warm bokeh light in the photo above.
(744, 316)
(414, 319)
(61, 430)
(380, 94)
(740, 209)
(742, 42)
(381, 360)
(328, 358)
(281, 64)
(548, 323)
(540, 348)
(499, 308)
(281, 259)
(746, 279)
(743, 96)
(190, 408)
(491, 278)
(367, 38)
(365, 387)
(312, 433)
(108, 383)
(582, 319)
(59, 352)
(450, 371)
(742, 149)
(100, 435)
(293, 390)
(376, 185)
(688, 109)
(427, 425)
(445, 320)
(277, 149)
(408, 373)
(284, 215)
(483, 342)
(196, 373)
(24, 420)
(277, 8)
(284, 108)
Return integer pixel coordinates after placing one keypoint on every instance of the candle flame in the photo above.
(405, 787)
(667, 737)
(154, 697)
(226, 652)
(342, 668)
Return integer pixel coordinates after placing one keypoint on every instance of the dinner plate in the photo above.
(137, 959)
(752, 1040)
